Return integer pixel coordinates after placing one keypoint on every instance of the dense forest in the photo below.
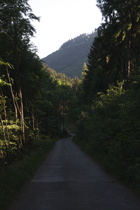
(106, 108)
(33, 100)
(33, 97)
(71, 56)
(37, 104)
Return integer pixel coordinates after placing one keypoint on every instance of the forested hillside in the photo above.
(71, 56)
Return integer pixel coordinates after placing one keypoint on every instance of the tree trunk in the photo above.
(129, 56)
(22, 122)
(13, 97)
(4, 134)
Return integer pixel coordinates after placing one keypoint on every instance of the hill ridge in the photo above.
(71, 56)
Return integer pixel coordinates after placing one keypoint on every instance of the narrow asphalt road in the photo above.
(69, 180)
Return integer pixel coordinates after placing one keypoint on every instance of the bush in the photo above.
(109, 130)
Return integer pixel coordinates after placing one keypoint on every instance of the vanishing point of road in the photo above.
(70, 180)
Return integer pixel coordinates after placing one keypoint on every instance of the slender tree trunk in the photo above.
(6, 126)
(33, 121)
(4, 133)
(129, 56)
(17, 111)
(22, 121)
(13, 97)
(34, 126)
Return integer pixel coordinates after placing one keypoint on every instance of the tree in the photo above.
(126, 15)
(112, 56)
(16, 30)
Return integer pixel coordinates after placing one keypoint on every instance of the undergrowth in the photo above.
(14, 176)
(109, 131)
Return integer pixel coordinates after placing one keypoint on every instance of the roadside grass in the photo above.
(13, 177)
(129, 178)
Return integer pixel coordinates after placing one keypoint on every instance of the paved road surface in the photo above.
(69, 180)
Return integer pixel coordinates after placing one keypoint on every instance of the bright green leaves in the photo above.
(3, 83)
(6, 64)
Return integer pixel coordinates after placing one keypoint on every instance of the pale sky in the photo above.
(61, 20)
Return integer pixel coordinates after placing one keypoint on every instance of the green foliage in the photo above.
(36, 101)
(6, 64)
(107, 99)
(112, 56)
(109, 130)
(33, 98)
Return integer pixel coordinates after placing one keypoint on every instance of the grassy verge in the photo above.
(129, 178)
(17, 174)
